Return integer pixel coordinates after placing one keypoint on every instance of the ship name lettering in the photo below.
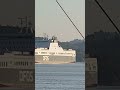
(26, 76)
(45, 58)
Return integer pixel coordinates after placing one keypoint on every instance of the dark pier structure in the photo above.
(107, 51)
(103, 42)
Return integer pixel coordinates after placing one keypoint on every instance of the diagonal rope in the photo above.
(70, 19)
(107, 16)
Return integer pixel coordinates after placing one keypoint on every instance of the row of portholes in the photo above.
(3, 64)
(21, 63)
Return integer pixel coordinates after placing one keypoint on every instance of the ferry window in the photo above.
(43, 52)
(20, 63)
(1, 64)
(6, 64)
(61, 53)
(52, 52)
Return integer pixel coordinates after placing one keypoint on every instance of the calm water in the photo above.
(60, 77)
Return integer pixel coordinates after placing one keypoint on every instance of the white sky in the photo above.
(50, 19)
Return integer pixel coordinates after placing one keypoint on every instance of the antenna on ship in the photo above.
(27, 24)
(21, 23)
(70, 19)
(30, 24)
(45, 35)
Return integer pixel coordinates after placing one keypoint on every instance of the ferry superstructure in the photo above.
(54, 54)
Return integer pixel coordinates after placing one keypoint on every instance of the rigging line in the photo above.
(108, 16)
(70, 19)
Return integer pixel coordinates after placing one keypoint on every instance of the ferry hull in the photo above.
(42, 59)
(19, 78)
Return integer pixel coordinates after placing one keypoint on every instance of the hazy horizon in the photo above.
(50, 19)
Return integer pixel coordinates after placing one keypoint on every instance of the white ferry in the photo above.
(55, 54)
